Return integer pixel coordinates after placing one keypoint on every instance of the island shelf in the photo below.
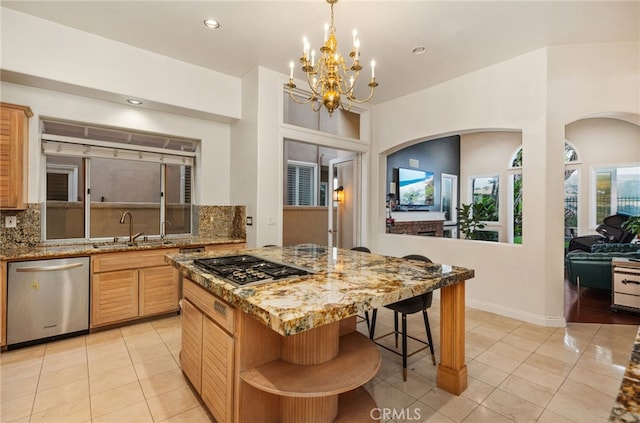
(357, 362)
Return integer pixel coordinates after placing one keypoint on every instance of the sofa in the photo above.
(593, 270)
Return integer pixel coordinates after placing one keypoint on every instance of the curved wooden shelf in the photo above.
(357, 362)
(355, 407)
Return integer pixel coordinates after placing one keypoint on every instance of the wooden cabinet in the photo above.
(3, 302)
(207, 348)
(626, 284)
(217, 371)
(191, 353)
(131, 285)
(14, 142)
(114, 297)
(158, 290)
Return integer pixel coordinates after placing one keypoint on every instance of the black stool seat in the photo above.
(413, 304)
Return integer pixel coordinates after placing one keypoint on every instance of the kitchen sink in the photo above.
(112, 246)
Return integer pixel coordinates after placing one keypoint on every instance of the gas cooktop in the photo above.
(245, 269)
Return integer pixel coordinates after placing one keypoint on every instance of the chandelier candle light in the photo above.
(329, 79)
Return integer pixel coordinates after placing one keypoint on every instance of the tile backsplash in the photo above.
(208, 221)
(226, 221)
(27, 230)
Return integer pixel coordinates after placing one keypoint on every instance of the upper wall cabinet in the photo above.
(14, 141)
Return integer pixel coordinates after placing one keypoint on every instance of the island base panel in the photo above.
(452, 380)
(311, 347)
(308, 410)
(357, 406)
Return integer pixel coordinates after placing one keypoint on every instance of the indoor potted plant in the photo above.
(632, 224)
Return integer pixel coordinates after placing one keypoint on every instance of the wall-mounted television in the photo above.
(415, 187)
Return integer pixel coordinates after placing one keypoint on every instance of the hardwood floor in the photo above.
(593, 306)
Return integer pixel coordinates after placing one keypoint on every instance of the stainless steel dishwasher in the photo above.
(47, 299)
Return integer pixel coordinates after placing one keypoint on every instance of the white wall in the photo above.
(57, 55)
(104, 73)
(244, 154)
(537, 93)
(212, 172)
(508, 95)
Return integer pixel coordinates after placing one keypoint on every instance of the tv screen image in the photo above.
(415, 187)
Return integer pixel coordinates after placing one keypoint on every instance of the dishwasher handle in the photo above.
(49, 268)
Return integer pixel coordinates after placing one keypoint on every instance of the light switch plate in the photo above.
(10, 221)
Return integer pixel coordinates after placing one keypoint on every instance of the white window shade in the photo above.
(68, 146)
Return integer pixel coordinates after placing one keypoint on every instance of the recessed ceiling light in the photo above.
(418, 50)
(211, 24)
(134, 101)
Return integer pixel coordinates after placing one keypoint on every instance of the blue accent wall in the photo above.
(439, 156)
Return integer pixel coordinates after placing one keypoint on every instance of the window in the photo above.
(65, 217)
(571, 184)
(92, 182)
(515, 234)
(301, 182)
(485, 190)
(616, 190)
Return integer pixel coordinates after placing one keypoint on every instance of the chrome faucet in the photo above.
(132, 237)
(163, 228)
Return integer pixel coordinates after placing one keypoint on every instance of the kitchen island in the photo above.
(292, 345)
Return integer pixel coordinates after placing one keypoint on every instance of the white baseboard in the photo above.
(536, 319)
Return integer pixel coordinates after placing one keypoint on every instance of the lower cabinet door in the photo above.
(114, 297)
(217, 371)
(158, 290)
(191, 353)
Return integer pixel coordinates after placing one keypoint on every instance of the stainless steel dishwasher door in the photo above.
(47, 298)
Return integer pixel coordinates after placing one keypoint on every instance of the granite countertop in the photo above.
(343, 283)
(627, 405)
(43, 251)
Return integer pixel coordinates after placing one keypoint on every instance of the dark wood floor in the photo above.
(593, 306)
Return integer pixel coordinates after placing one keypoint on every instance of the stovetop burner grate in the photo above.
(246, 269)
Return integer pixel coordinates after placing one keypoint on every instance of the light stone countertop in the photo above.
(343, 283)
(626, 408)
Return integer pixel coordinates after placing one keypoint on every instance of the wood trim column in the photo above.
(452, 370)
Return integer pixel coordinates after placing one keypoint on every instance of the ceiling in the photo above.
(460, 36)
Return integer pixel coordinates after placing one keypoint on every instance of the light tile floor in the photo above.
(518, 372)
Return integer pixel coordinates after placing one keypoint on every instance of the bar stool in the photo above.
(366, 313)
(409, 306)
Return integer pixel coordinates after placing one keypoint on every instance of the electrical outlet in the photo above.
(10, 221)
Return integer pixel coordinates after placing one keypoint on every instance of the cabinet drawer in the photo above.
(129, 260)
(215, 308)
(626, 281)
(626, 300)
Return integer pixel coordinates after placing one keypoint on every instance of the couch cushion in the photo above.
(615, 247)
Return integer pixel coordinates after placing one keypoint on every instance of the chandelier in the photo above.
(330, 80)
